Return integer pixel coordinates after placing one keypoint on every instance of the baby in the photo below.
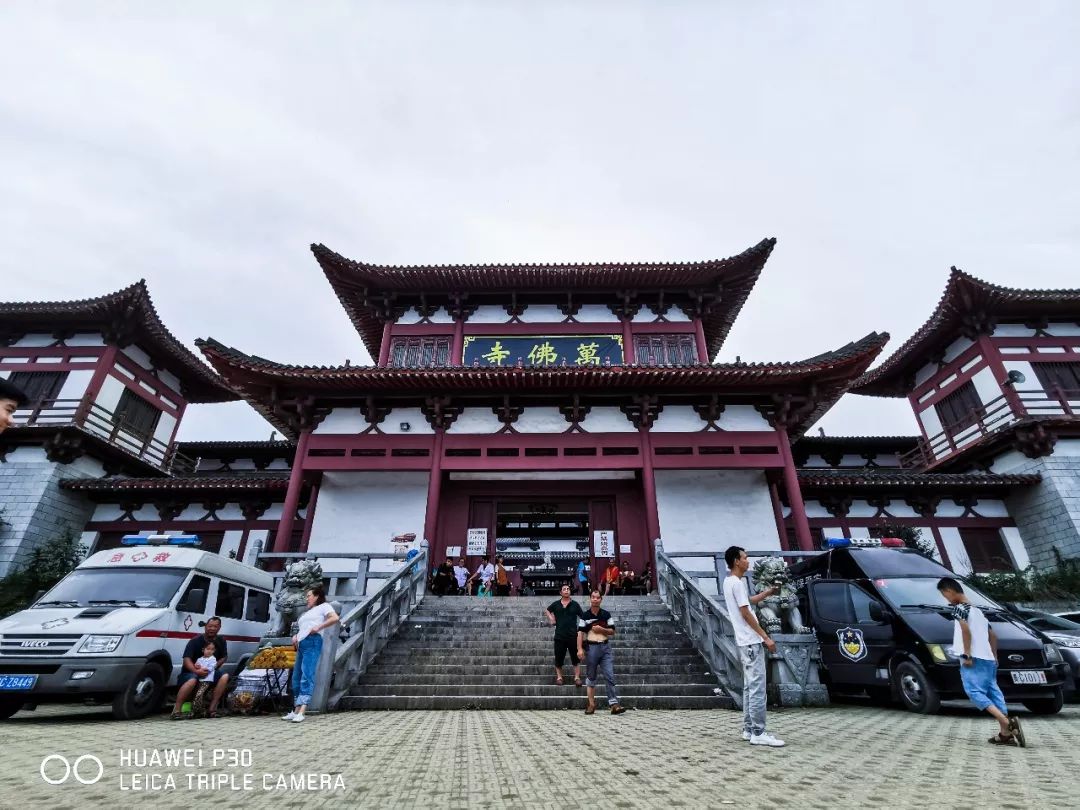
(207, 662)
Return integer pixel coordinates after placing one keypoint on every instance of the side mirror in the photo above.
(877, 612)
(194, 601)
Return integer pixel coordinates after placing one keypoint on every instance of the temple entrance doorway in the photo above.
(543, 529)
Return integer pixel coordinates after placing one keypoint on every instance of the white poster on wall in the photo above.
(604, 543)
(624, 549)
(476, 542)
(453, 551)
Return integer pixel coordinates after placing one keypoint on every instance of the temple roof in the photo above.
(267, 482)
(968, 307)
(260, 381)
(880, 478)
(370, 293)
(124, 317)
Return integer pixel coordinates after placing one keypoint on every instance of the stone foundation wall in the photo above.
(33, 508)
(1048, 515)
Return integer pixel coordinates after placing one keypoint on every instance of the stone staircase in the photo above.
(459, 652)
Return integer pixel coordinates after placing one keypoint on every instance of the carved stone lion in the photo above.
(300, 577)
(778, 613)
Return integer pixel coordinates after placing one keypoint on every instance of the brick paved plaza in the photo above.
(841, 756)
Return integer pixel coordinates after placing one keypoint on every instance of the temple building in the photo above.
(551, 414)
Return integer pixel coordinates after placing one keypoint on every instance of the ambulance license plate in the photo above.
(17, 683)
(1028, 676)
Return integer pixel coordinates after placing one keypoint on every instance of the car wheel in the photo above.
(9, 705)
(916, 692)
(1050, 705)
(142, 695)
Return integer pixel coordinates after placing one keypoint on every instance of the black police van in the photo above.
(884, 629)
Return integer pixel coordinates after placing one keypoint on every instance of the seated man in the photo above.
(611, 577)
(192, 672)
(628, 580)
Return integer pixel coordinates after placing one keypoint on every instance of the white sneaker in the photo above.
(746, 736)
(289, 716)
(299, 718)
(765, 738)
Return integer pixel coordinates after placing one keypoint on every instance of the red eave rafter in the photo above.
(353, 282)
(965, 301)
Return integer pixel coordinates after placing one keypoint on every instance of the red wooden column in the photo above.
(629, 355)
(791, 484)
(778, 516)
(702, 347)
(434, 493)
(648, 481)
(292, 496)
(106, 360)
(384, 347)
(457, 350)
(309, 519)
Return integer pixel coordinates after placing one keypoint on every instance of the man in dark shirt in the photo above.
(564, 614)
(11, 399)
(595, 629)
(189, 676)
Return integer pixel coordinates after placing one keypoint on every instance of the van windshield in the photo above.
(134, 587)
(922, 591)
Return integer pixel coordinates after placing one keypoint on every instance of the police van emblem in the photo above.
(51, 623)
(852, 644)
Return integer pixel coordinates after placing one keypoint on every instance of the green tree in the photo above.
(912, 537)
(48, 564)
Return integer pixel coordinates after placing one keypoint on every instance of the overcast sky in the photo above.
(206, 149)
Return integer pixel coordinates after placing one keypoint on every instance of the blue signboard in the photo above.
(545, 351)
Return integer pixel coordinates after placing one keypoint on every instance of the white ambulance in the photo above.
(115, 628)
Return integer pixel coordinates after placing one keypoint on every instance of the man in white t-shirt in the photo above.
(484, 574)
(749, 637)
(975, 644)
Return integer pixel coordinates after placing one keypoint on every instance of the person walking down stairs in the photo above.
(564, 614)
(595, 629)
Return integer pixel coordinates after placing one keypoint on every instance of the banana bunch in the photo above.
(274, 658)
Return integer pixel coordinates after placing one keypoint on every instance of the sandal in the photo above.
(1017, 731)
(558, 680)
(212, 713)
(591, 708)
(999, 739)
(178, 716)
(577, 681)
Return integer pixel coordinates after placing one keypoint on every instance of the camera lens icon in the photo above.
(81, 769)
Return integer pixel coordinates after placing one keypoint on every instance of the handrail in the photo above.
(702, 620)
(366, 628)
(101, 422)
(987, 418)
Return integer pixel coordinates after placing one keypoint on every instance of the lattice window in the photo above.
(960, 410)
(136, 415)
(665, 350)
(986, 550)
(420, 351)
(1065, 376)
(39, 386)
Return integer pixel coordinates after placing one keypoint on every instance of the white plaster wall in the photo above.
(343, 420)
(861, 509)
(814, 509)
(415, 419)
(986, 385)
(1067, 447)
(644, 315)
(163, 431)
(1012, 330)
(35, 340)
(956, 347)
(1012, 459)
(75, 385)
(541, 420)
(678, 419)
(925, 373)
(832, 531)
(958, 556)
(930, 422)
(742, 417)
(1013, 542)
(477, 420)
(676, 315)
(542, 313)
(230, 542)
(709, 510)
(595, 313)
(88, 540)
(138, 355)
(607, 420)
(362, 511)
(489, 313)
(441, 316)
(928, 535)
(949, 509)
(411, 316)
(1064, 329)
(109, 395)
(814, 460)
(897, 508)
(169, 380)
(992, 508)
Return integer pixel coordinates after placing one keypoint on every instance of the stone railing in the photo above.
(793, 669)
